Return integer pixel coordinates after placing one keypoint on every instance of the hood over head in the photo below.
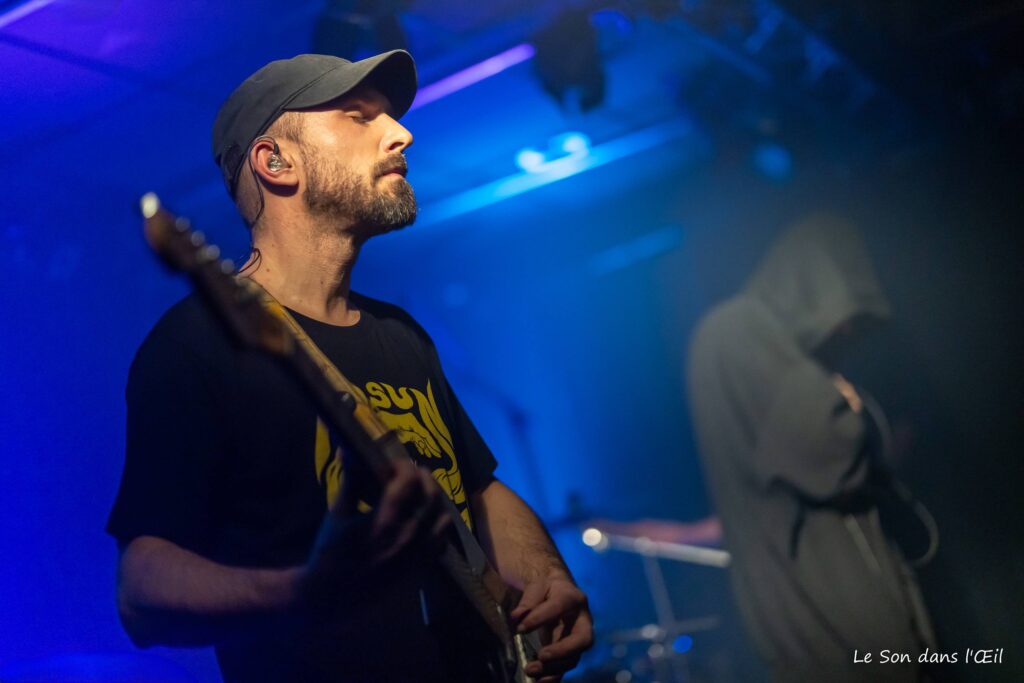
(816, 277)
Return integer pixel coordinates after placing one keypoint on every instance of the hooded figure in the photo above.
(786, 459)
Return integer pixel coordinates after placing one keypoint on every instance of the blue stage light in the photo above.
(571, 143)
(18, 11)
(682, 644)
(636, 250)
(559, 169)
(773, 160)
(474, 74)
(530, 160)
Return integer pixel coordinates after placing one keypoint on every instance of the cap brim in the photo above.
(392, 73)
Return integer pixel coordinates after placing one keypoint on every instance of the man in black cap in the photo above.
(233, 524)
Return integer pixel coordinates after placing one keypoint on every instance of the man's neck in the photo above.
(308, 270)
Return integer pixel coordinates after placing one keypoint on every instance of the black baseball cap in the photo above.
(298, 83)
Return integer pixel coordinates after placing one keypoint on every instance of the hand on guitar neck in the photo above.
(555, 603)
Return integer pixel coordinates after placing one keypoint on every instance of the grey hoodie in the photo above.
(817, 581)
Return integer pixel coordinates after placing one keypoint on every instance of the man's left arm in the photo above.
(525, 556)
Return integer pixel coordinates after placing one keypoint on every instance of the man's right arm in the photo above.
(168, 595)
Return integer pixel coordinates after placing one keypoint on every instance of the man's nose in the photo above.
(398, 136)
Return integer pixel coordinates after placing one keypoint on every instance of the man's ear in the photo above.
(273, 165)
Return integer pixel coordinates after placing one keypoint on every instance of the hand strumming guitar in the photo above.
(356, 550)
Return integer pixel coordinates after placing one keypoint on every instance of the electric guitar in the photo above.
(258, 321)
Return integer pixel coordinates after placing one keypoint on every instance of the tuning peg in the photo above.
(198, 239)
(211, 252)
(149, 204)
(347, 400)
(227, 266)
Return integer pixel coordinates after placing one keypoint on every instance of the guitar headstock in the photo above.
(238, 300)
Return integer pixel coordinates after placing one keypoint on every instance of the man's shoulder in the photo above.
(391, 316)
(378, 308)
(736, 315)
(736, 329)
(187, 328)
(188, 318)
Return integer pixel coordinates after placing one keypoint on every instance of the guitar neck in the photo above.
(342, 405)
(257, 320)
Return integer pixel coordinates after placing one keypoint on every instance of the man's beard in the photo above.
(340, 196)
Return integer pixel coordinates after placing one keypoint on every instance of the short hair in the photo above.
(248, 194)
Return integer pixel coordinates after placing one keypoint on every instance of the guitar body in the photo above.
(383, 637)
(458, 607)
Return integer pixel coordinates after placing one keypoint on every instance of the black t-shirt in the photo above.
(226, 456)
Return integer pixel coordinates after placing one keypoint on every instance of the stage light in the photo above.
(472, 74)
(773, 161)
(560, 147)
(572, 143)
(651, 632)
(560, 169)
(636, 250)
(530, 160)
(595, 538)
(354, 29)
(18, 11)
(568, 60)
(682, 644)
(592, 537)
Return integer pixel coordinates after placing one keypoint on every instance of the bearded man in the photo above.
(233, 526)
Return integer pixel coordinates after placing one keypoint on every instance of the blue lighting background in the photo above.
(561, 300)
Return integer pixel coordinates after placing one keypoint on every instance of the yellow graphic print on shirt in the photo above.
(414, 417)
